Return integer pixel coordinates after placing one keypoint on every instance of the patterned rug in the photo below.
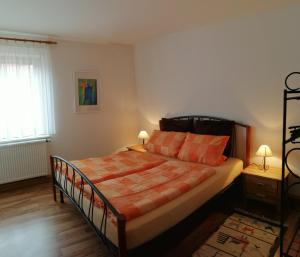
(241, 236)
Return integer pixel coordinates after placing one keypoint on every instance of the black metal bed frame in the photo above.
(289, 94)
(61, 172)
(64, 172)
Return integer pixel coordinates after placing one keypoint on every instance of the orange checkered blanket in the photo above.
(112, 166)
(138, 193)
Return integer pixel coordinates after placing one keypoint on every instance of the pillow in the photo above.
(165, 143)
(207, 149)
(176, 125)
(217, 128)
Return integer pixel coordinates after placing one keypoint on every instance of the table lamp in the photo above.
(264, 151)
(143, 135)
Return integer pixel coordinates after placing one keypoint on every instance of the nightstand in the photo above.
(137, 148)
(263, 185)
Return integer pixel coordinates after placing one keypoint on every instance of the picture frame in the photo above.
(87, 91)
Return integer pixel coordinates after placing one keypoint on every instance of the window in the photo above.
(26, 99)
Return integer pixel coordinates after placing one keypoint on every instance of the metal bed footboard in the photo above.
(65, 178)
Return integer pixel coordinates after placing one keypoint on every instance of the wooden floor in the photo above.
(33, 225)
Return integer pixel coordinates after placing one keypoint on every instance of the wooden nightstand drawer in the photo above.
(259, 184)
(262, 185)
(263, 196)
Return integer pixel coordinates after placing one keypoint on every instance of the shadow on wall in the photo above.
(149, 122)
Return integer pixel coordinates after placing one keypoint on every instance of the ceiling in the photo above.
(121, 21)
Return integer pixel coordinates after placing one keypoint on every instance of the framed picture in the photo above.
(87, 91)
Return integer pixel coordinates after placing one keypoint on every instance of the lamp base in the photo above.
(264, 166)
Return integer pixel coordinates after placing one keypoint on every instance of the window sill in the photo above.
(26, 141)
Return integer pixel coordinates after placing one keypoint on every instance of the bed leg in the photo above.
(122, 236)
(54, 193)
(61, 196)
(53, 177)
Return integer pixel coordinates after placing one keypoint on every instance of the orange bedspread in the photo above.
(136, 194)
(116, 165)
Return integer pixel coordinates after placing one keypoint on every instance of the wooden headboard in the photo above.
(240, 137)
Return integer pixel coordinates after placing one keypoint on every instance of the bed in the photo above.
(122, 229)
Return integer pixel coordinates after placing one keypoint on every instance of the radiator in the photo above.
(24, 160)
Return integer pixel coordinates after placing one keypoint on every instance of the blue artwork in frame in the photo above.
(87, 91)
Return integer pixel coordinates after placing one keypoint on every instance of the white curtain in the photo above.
(26, 97)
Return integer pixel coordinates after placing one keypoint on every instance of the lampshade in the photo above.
(143, 134)
(264, 151)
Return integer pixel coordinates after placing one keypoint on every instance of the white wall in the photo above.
(233, 70)
(94, 134)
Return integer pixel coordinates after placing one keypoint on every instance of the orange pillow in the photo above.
(207, 149)
(167, 143)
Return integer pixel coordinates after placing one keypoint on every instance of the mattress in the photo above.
(155, 222)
